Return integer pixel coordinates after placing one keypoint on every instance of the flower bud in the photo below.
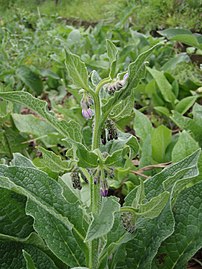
(86, 102)
(103, 188)
(76, 180)
(87, 113)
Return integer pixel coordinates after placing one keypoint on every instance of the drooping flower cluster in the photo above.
(117, 85)
(109, 132)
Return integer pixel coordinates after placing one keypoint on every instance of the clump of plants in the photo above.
(70, 220)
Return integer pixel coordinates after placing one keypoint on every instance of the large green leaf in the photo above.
(77, 71)
(69, 129)
(30, 78)
(50, 210)
(56, 235)
(176, 251)
(14, 221)
(103, 222)
(12, 256)
(151, 233)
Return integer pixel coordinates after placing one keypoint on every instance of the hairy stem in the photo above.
(94, 188)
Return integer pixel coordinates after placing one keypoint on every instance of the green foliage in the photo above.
(60, 171)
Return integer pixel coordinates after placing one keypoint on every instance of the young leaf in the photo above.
(77, 71)
(184, 147)
(95, 78)
(163, 85)
(112, 52)
(28, 260)
(86, 158)
(142, 125)
(161, 138)
(154, 207)
(185, 104)
(103, 222)
(53, 161)
(117, 157)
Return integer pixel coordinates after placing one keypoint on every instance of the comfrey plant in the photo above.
(72, 222)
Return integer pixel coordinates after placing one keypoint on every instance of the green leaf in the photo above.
(151, 233)
(142, 125)
(69, 129)
(135, 73)
(48, 207)
(184, 146)
(38, 128)
(53, 161)
(161, 138)
(28, 260)
(178, 249)
(56, 235)
(30, 79)
(103, 222)
(163, 110)
(153, 208)
(185, 104)
(189, 170)
(136, 196)
(80, 268)
(95, 78)
(117, 157)
(189, 40)
(123, 109)
(20, 160)
(171, 32)
(14, 221)
(193, 125)
(77, 71)
(5, 108)
(163, 85)
(86, 158)
(112, 52)
(12, 256)
(173, 62)
(182, 35)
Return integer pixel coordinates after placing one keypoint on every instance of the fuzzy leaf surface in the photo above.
(178, 249)
(77, 70)
(103, 222)
(69, 129)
